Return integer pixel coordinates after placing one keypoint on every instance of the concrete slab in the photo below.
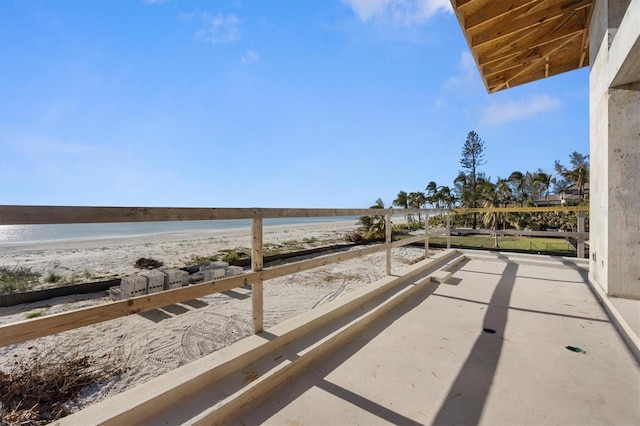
(490, 349)
(430, 362)
(440, 276)
(232, 376)
(629, 309)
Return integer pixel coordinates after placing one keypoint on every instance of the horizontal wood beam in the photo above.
(559, 234)
(461, 3)
(545, 33)
(504, 29)
(523, 59)
(501, 80)
(522, 209)
(410, 240)
(57, 323)
(557, 67)
(38, 215)
(495, 10)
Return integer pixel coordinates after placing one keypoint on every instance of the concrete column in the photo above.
(615, 147)
(623, 273)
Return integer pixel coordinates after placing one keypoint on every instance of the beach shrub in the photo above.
(292, 245)
(353, 237)
(237, 253)
(35, 314)
(200, 260)
(17, 279)
(310, 241)
(331, 277)
(53, 277)
(144, 263)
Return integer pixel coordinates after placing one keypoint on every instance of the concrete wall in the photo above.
(615, 146)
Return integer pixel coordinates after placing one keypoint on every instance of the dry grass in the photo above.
(336, 276)
(39, 387)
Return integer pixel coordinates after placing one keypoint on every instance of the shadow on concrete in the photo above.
(512, 308)
(262, 409)
(551, 280)
(453, 281)
(366, 404)
(471, 271)
(584, 273)
(465, 401)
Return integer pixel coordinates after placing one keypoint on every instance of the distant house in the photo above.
(569, 194)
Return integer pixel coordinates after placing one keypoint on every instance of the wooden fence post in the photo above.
(580, 238)
(448, 229)
(426, 234)
(257, 302)
(387, 230)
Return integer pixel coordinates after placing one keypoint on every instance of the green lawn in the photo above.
(508, 242)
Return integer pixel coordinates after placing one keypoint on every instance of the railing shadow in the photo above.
(262, 409)
(467, 396)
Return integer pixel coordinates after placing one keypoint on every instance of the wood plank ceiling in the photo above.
(518, 41)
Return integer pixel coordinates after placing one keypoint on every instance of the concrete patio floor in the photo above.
(430, 362)
(487, 346)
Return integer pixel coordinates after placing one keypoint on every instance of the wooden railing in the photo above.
(56, 323)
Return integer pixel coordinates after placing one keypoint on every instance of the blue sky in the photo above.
(317, 103)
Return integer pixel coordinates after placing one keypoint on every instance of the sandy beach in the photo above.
(152, 343)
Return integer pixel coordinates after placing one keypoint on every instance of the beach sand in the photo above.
(155, 342)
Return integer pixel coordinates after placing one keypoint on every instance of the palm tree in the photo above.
(445, 196)
(402, 200)
(579, 175)
(490, 198)
(504, 197)
(374, 226)
(468, 197)
(518, 181)
(432, 189)
(545, 180)
(417, 201)
(503, 191)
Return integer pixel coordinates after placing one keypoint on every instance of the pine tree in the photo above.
(472, 159)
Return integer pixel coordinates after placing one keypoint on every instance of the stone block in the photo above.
(133, 286)
(231, 271)
(175, 278)
(441, 276)
(213, 274)
(115, 293)
(218, 264)
(155, 281)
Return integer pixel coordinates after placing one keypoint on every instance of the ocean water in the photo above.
(87, 231)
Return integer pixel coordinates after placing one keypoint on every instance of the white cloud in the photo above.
(186, 17)
(506, 110)
(400, 12)
(467, 74)
(250, 57)
(219, 29)
(441, 103)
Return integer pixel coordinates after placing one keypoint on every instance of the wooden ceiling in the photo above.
(518, 41)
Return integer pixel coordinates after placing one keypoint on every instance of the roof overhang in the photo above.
(518, 41)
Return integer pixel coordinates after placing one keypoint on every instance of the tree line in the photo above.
(472, 188)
